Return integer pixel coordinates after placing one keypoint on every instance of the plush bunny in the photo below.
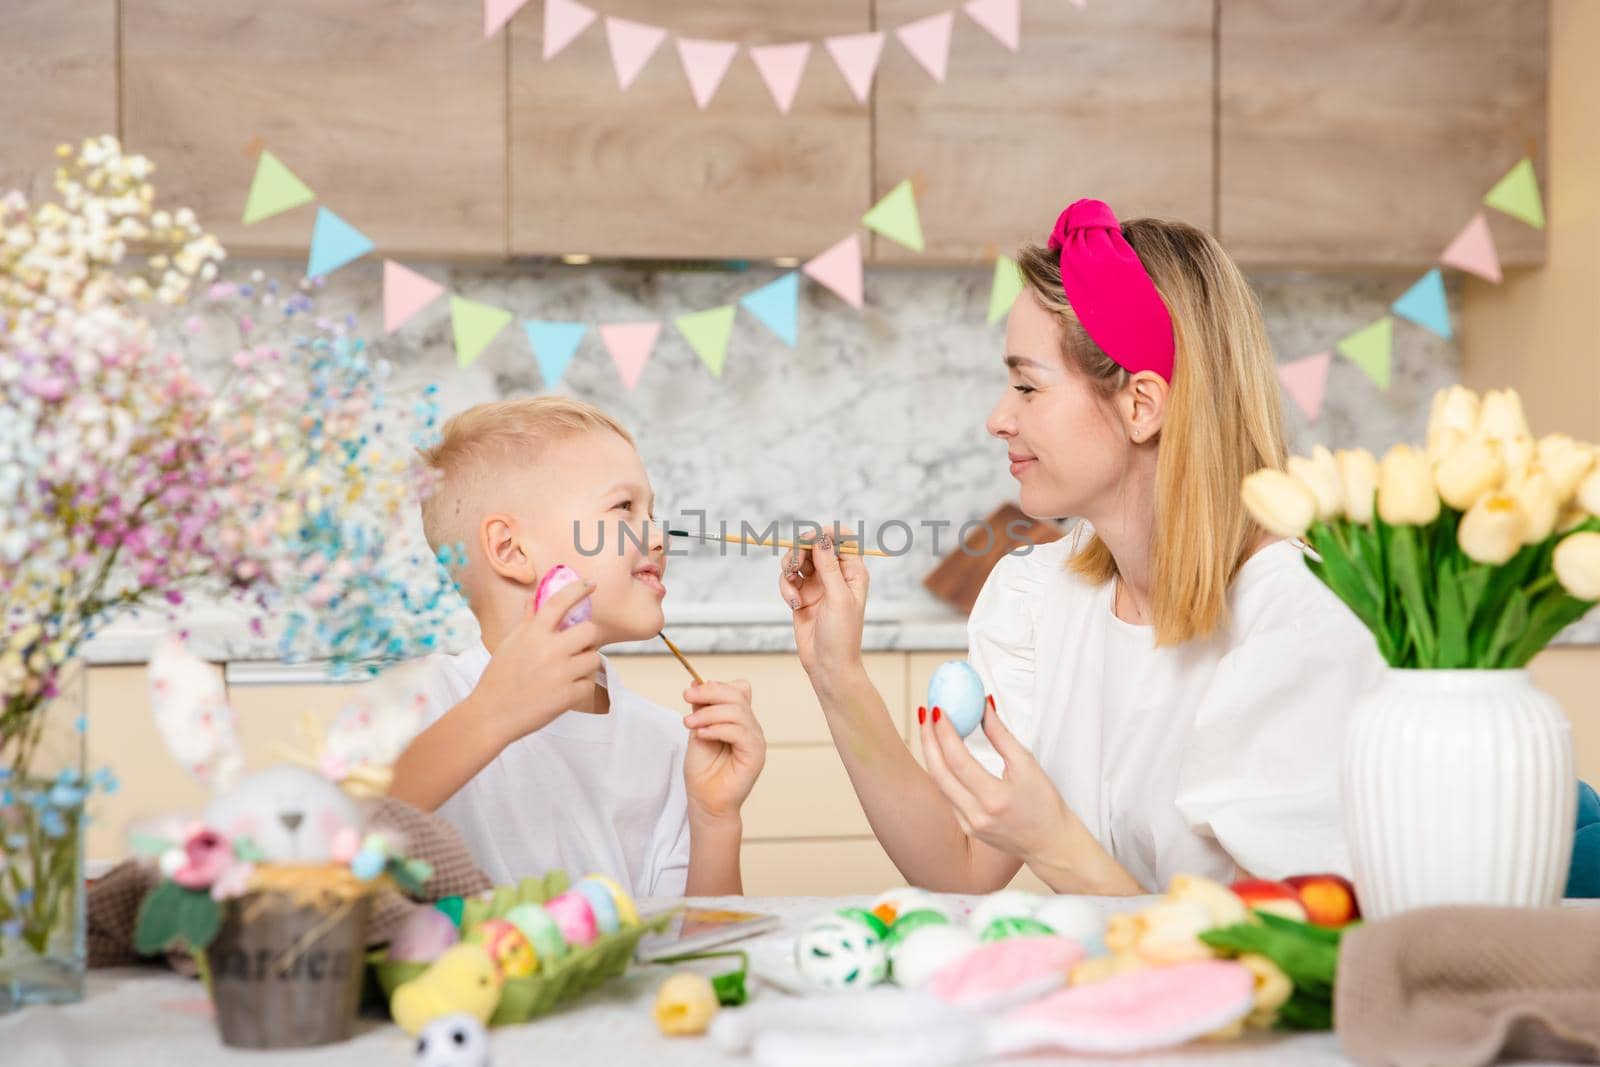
(292, 814)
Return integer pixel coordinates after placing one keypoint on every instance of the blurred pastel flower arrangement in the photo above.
(129, 483)
(1472, 552)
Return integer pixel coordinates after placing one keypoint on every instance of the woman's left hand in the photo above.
(1021, 814)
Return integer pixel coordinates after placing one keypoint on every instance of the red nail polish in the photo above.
(922, 715)
(991, 702)
(935, 714)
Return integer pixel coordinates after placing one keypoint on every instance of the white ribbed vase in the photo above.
(1458, 789)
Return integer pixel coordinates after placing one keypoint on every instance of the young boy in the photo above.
(536, 752)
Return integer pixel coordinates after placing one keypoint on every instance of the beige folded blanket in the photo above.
(1469, 985)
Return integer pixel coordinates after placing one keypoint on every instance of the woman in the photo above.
(1168, 684)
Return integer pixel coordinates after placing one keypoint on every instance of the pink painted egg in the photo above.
(556, 579)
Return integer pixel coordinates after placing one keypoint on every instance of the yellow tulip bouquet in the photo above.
(1471, 553)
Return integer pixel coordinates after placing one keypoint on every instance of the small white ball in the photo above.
(928, 950)
(1006, 904)
(453, 1041)
(172, 861)
(1073, 917)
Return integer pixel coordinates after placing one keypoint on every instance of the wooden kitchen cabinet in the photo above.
(644, 173)
(392, 111)
(1366, 132)
(58, 78)
(1113, 101)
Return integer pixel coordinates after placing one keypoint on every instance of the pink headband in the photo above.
(1110, 290)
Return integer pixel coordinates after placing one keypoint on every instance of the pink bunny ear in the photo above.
(1140, 1011)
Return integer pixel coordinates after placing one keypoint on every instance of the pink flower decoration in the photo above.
(207, 855)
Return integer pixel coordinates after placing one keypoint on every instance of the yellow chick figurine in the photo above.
(462, 981)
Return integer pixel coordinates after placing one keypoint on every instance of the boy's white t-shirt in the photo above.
(586, 793)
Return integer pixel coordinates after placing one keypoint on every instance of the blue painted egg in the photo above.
(957, 691)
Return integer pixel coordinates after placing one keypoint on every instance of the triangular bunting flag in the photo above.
(564, 20)
(1425, 304)
(928, 41)
(1517, 194)
(274, 190)
(775, 305)
(707, 333)
(1473, 250)
(474, 326)
(1002, 18)
(1369, 347)
(1305, 380)
(630, 344)
(705, 63)
(857, 55)
(496, 13)
(334, 242)
(632, 45)
(405, 292)
(554, 344)
(780, 67)
(839, 268)
(895, 216)
(1004, 289)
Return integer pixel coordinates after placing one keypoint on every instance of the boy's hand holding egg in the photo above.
(546, 663)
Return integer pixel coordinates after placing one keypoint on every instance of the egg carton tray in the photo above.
(555, 983)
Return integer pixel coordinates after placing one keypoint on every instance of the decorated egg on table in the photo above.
(840, 952)
(889, 906)
(423, 936)
(512, 953)
(957, 691)
(602, 903)
(627, 911)
(878, 926)
(1004, 929)
(540, 930)
(909, 922)
(1006, 904)
(574, 917)
(926, 950)
(556, 579)
(1076, 918)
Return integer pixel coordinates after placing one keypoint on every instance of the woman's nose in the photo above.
(999, 424)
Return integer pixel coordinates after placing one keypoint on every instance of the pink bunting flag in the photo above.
(496, 13)
(780, 67)
(1473, 250)
(632, 45)
(1305, 380)
(928, 41)
(706, 64)
(839, 268)
(630, 345)
(564, 20)
(405, 292)
(1002, 18)
(857, 55)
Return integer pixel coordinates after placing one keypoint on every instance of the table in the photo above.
(153, 1018)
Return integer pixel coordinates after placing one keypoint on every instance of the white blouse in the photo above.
(1211, 757)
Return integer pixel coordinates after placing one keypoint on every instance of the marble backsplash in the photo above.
(875, 416)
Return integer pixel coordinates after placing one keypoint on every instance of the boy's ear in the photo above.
(502, 548)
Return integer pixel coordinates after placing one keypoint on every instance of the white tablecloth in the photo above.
(152, 1018)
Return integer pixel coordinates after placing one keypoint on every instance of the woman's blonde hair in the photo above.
(1224, 419)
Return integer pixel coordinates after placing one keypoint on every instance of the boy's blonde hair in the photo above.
(1224, 418)
(476, 443)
